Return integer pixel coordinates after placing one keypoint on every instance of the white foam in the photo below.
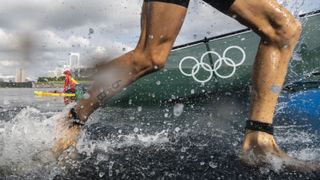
(289, 135)
(88, 146)
(24, 137)
(308, 154)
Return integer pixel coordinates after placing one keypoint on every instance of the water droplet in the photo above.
(213, 165)
(183, 149)
(194, 36)
(91, 30)
(101, 174)
(86, 96)
(139, 109)
(178, 109)
(158, 83)
(135, 130)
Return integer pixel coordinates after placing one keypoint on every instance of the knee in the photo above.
(289, 34)
(284, 33)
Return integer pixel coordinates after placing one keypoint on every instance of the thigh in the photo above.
(161, 21)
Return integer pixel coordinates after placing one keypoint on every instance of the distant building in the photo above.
(20, 75)
(74, 62)
(85, 73)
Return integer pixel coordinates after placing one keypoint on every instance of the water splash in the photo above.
(22, 139)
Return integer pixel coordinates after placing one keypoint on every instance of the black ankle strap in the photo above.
(75, 118)
(259, 126)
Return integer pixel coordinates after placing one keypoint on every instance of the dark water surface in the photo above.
(187, 139)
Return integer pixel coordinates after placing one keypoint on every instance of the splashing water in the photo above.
(24, 137)
(200, 142)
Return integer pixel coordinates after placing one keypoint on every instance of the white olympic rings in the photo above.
(216, 66)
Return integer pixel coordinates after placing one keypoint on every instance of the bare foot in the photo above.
(260, 148)
(67, 133)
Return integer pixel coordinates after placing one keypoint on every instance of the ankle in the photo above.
(257, 140)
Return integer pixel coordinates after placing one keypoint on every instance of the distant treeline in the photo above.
(16, 85)
(61, 78)
(47, 79)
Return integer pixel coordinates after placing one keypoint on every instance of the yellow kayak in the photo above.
(56, 94)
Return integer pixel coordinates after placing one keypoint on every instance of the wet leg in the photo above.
(279, 32)
(160, 25)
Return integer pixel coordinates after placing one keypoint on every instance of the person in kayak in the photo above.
(70, 86)
(69, 82)
(161, 21)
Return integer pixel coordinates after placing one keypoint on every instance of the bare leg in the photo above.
(279, 32)
(160, 23)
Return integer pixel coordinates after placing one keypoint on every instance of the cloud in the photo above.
(8, 41)
(8, 63)
(50, 49)
(61, 14)
(50, 41)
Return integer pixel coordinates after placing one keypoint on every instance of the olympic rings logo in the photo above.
(216, 66)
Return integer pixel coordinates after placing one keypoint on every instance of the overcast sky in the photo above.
(38, 35)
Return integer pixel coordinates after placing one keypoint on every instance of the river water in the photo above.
(188, 139)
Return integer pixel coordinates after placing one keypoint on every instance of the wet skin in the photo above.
(160, 25)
